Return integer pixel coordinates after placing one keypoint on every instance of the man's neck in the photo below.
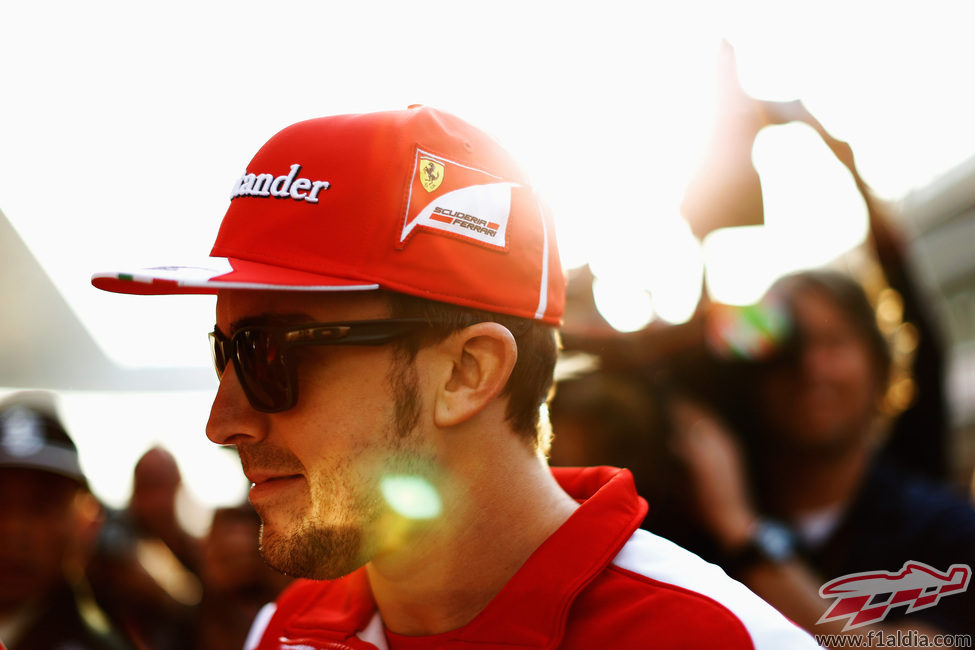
(444, 576)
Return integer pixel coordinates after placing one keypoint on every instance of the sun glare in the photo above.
(626, 306)
(813, 214)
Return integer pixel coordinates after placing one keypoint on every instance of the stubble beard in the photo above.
(317, 551)
(326, 551)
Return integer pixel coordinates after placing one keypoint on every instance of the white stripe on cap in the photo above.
(543, 289)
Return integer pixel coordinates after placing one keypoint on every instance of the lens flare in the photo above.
(748, 332)
(413, 497)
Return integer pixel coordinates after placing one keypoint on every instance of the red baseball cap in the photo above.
(415, 201)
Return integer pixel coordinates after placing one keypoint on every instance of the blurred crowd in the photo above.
(77, 575)
(766, 442)
(803, 442)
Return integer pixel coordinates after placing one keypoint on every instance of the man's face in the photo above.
(38, 530)
(317, 467)
(826, 398)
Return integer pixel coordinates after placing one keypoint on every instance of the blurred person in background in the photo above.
(155, 600)
(145, 571)
(796, 494)
(616, 419)
(48, 524)
(237, 582)
(154, 504)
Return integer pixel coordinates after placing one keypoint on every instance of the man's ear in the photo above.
(480, 359)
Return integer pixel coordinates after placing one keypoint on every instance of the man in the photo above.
(146, 567)
(156, 486)
(388, 303)
(819, 503)
(48, 522)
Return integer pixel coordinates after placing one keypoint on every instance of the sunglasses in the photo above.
(266, 366)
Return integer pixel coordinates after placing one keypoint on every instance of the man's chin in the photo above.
(314, 553)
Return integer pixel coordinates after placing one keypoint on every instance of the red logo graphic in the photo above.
(869, 596)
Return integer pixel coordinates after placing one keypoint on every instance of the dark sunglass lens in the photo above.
(264, 373)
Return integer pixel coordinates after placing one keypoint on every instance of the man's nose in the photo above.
(232, 419)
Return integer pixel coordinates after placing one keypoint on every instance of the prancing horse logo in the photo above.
(431, 174)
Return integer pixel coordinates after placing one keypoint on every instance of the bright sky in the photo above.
(125, 124)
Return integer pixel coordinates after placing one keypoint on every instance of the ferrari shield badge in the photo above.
(431, 174)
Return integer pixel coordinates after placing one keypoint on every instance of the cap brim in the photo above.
(220, 273)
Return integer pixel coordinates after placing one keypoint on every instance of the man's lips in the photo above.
(266, 485)
(259, 478)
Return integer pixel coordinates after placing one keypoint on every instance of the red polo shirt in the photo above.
(599, 581)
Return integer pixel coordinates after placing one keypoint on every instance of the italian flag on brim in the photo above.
(220, 273)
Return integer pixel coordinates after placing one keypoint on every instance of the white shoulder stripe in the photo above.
(259, 626)
(374, 632)
(662, 560)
